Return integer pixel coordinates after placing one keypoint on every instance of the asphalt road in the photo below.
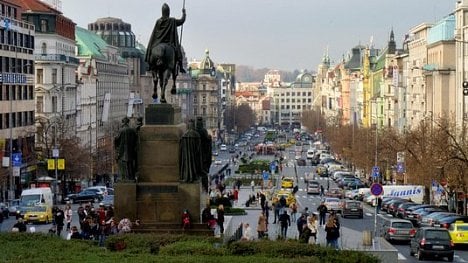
(354, 224)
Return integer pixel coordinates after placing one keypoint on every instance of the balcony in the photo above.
(57, 58)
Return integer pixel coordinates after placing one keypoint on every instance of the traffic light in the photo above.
(465, 88)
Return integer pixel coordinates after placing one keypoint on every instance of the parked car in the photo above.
(4, 210)
(401, 210)
(313, 187)
(435, 242)
(333, 204)
(13, 206)
(398, 229)
(428, 220)
(102, 189)
(411, 213)
(107, 201)
(352, 208)
(392, 208)
(38, 214)
(419, 213)
(87, 195)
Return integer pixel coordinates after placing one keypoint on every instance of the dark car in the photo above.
(445, 222)
(401, 211)
(4, 210)
(409, 210)
(335, 192)
(301, 162)
(434, 242)
(412, 212)
(428, 220)
(420, 213)
(87, 195)
(352, 208)
(392, 208)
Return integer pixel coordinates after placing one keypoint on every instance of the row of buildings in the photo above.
(62, 84)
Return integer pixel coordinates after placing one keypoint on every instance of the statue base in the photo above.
(162, 114)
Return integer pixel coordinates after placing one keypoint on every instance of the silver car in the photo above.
(398, 229)
(313, 187)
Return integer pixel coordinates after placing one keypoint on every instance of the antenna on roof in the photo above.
(371, 42)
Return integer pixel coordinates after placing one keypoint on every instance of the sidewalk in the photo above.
(350, 239)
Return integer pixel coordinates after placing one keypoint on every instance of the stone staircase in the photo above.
(173, 228)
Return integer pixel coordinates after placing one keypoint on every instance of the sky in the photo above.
(275, 34)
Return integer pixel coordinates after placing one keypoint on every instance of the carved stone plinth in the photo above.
(162, 114)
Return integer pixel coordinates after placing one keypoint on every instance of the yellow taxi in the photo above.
(459, 232)
(287, 182)
(287, 195)
(38, 214)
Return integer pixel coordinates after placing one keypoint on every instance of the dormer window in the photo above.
(44, 25)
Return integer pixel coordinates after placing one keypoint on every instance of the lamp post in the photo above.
(55, 155)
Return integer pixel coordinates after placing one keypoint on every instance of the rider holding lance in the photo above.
(165, 31)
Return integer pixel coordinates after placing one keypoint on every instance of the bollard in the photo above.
(367, 238)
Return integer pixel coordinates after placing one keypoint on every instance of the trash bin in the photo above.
(367, 238)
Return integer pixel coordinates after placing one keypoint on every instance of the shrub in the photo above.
(193, 248)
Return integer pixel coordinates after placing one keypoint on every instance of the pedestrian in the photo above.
(19, 226)
(186, 222)
(322, 191)
(59, 218)
(220, 218)
(68, 216)
(267, 212)
(262, 200)
(285, 222)
(312, 224)
(379, 204)
(75, 234)
(277, 208)
(262, 225)
(301, 222)
(333, 232)
(252, 184)
(305, 212)
(293, 209)
(322, 209)
(246, 232)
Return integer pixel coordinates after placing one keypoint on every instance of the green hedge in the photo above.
(26, 247)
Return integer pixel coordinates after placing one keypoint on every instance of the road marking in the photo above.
(401, 257)
(369, 214)
(459, 259)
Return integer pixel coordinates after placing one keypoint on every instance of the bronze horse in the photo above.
(163, 66)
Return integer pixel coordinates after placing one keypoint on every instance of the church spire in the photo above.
(326, 58)
(392, 43)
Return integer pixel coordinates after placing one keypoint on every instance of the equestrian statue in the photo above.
(164, 54)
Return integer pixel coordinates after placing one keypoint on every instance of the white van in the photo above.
(310, 154)
(37, 196)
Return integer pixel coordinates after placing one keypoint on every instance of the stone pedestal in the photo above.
(158, 198)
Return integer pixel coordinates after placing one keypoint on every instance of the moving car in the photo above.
(287, 182)
(4, 210)
(13, 206)
(459, 232)
(313, 187)
(398, 229)
(22, 210)
(108, 201)
(435, 242)
(333, 204)
(38, 214)
(87, 195)
(352, 208)
(286, 194)
(223, 147)
(335, 192)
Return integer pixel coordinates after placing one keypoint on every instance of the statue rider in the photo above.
(165, 31)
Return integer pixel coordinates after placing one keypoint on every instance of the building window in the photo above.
(39, 76)
(43, 25)
(204, 99)
(44, 49)
(203, 111)
(54, 103)
(40, 104)
(195, 100)
(54, 76)
(204, 87)
(282, 107)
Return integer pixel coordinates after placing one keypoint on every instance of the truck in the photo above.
(413, 192)
(37, 196)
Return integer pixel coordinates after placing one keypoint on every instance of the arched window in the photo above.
(44, 49)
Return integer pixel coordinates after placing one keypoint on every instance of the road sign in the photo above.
(400, 168)
(376, 189)
(400, 157)
(16, 159)
(265, 175)
(375, 171)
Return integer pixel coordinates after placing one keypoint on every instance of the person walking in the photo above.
(285, 222)
(220, 218)
(322, 209)
(333, 232)
(301, 223)
(277, 208)
(322, 191)
(312, 224)
(293, 208)
(68, 216)
(59, 217)
(252, 184)
(262, 225)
